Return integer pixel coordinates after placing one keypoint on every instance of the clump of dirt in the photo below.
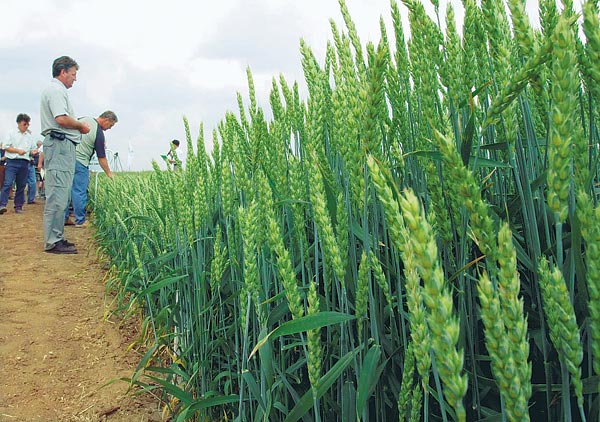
(58, 352)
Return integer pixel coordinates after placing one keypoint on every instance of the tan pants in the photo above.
(59, 158)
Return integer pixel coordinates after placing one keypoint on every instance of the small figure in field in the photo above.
(91, 142)
(39, 174)
(31, 174)
(62, 132)
(18, 148)
(172, 157)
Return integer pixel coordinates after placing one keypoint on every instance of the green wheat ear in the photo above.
(362, 292)
(591, 28)
(565, 91)
(323, 221)
(406, 387)
(589, 217)
(419, 331)
(506, 371)
(444, 327)
(315, 351)
(285, 269)
(564, 331)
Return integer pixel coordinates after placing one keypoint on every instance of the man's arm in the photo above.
(100, 147)
(14, 150)
(104, 164)
(170, 157)
(68, 122)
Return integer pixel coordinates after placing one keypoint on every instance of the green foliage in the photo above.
(285, 277)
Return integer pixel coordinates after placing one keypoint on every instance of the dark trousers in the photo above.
(16, 170)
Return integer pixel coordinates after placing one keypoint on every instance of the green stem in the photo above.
(566, 396)
(559, 245)
(440, 392)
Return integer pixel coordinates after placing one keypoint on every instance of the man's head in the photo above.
(107, 120)
(23, 122)
(175, 143)
(65, 70)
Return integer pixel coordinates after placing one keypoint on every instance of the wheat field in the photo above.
(417, 239)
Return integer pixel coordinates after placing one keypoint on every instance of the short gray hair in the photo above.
(110, 116)
(63, 63)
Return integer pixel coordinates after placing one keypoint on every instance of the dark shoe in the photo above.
(32, 202)
(2, 210)
(67, 243)
(82, 225)
(19, 210)
(61, 248)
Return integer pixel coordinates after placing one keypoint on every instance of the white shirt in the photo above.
(19, 140)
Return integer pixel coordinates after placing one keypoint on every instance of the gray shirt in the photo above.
(55, 102)
(87, 146)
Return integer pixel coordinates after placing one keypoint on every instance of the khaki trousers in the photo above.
(59, 161)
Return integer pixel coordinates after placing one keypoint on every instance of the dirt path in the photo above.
(56, 348)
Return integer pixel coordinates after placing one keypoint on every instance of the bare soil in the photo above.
(59, 351)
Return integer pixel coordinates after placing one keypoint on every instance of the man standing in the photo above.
(90, 142)
(18, 147)
(62, 132)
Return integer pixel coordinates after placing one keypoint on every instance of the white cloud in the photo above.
(152, 62)
(215, 74)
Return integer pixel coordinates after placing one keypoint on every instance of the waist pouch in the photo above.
(58, 135)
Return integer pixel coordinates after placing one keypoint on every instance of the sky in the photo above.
(154, 62)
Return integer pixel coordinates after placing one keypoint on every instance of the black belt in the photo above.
(61, 136)
(58, 135)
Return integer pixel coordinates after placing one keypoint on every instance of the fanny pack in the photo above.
(58, 135)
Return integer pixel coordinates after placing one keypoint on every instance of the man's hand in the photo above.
(71, 123)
